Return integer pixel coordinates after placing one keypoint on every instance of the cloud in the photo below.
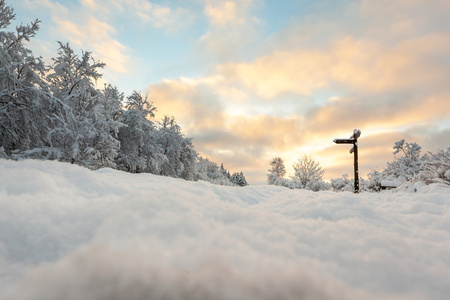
(404, 18)
(379, 112)
(224, 12)
(358, 65)
(232, 27)
(55, 8)
(223, 134)
(264, 131)
(194, 103)
(92, 25)
(160, 16)
(89, 3)
(300, 72)
(97, 37)
(151, 13)
(89, 28)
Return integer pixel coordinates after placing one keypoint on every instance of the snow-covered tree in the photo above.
(188, 157)
(160, 149)
(207, 170)
(407, 165)
(277, 170)
(139, 151)
(238, 179)
(225, 172)
(84, 132)
(171, 141)
(24, 102)
(112, 102)
(307, 170)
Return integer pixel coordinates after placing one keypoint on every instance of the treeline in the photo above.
(56, 112)
(408, 167)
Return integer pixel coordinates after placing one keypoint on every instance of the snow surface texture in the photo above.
(70, 233)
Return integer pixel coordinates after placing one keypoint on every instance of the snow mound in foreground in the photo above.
(70, 233)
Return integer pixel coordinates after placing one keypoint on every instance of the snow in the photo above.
(391, 183)
(70, 233)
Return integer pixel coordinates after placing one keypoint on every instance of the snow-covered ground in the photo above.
(70, 233)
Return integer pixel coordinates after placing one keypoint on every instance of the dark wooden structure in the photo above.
(353, 140)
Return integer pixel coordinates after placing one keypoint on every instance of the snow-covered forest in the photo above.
(56, 112)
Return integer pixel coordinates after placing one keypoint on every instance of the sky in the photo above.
(67, 232)
(251, 80)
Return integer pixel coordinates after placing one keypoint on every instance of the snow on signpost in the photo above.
(353, 140)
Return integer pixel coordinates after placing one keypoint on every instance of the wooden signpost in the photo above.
(353, 140)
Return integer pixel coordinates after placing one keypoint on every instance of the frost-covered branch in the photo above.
(6, 14)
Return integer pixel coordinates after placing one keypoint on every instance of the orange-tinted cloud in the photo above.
(357, 64)
(241, 142)
(232, 26)
(194, 104)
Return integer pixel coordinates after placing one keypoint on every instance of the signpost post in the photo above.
(353, 140)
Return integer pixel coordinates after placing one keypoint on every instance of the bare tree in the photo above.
(307, 170)
(277, 167)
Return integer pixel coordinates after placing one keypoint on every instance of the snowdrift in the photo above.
(70, 233)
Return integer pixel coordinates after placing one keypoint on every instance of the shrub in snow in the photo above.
(436, 168)
(294, 183)
(405, 166)
(374, 180)
(342, 184)
(307, 169)
(318, 186)
(273, 179)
